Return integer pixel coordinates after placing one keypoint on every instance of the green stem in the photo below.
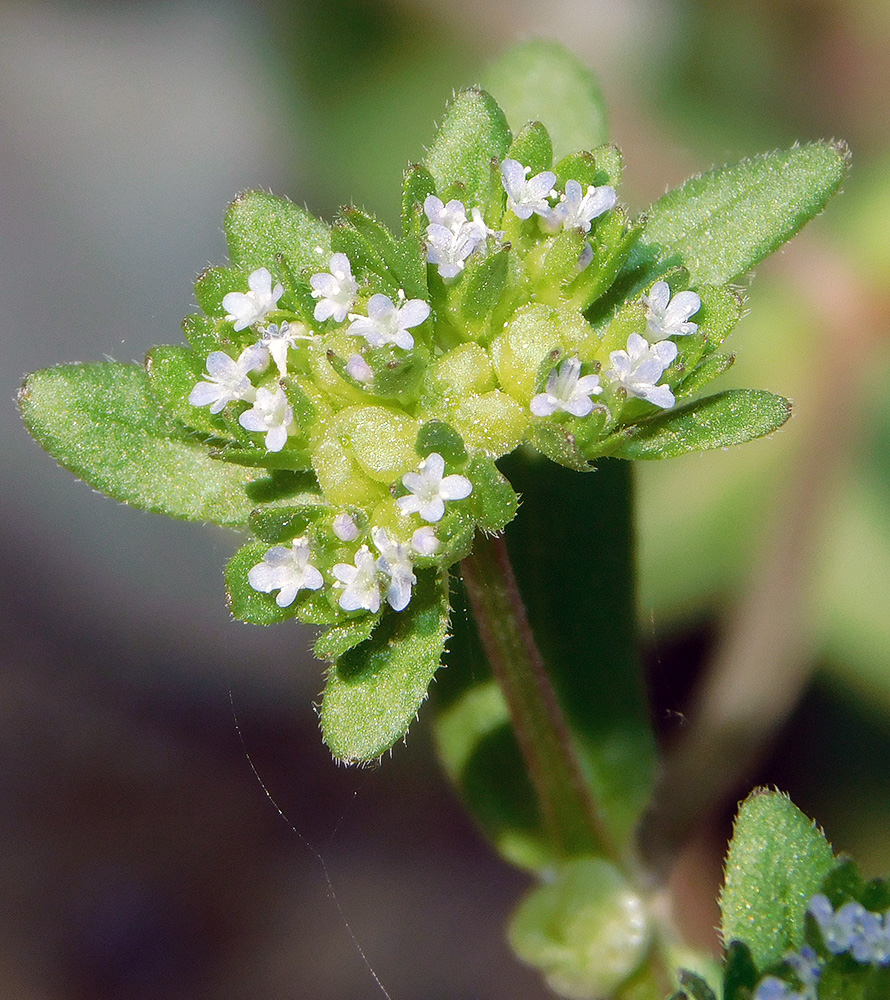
(571, 816)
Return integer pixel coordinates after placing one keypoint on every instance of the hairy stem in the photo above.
(570, 814)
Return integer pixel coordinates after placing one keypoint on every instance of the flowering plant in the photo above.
(371, 406)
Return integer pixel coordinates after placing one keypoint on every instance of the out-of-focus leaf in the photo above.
(541, 81)
(102, 422)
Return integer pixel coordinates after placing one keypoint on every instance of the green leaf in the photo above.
(739, 972)
(481, 757)
(214, 283)
(596, 167)
(541, 81)
(173, 372)
(571, 533)
(102, 422)
(437, 436)
(205, 334)
(482, 284)
(695, 987)
(375, 690)
(370, 246)
(730, 417)
(532, 148)
(719, 225)
(281, 524)
(472, 134)
(777, 860)
(339, 639)
(704, 373)
(493, 501)
(418, 185)
(259, 227)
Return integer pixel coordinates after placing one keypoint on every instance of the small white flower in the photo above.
(452, 216)
(270, 413)
(359, 369)
(639, 367)
(395, 562)
(429, 490)
(286, 570)
(345, 528)
(358, 583)
(228, 381)
(277, 339)
(566, 391)
(424, 541)
(451, 238)
(335, 291)
(246, 308)
(387, 323)
(577, 211)
(526, 197)
(669, 317)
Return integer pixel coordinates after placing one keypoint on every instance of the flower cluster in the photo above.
(398, 380)
(850, 930)
(853, 930)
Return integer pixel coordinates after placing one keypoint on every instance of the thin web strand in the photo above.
(314, 851)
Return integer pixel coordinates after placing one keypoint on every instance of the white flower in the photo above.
(277, 339)
(359, 369)
(387, 323)
(335, 291)
(358, 583)
(345, 528)
(395, 562)
(566, 391)
(270, 413)
(246, 308)
(668, 317)
(577, 211)
(424, 541)
(228, 381)
(527, 197)
(451, 238)
(286, 570)
(641, 366)
(429, 490)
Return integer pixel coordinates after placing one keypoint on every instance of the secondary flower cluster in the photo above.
(339, 370)
(851, 930)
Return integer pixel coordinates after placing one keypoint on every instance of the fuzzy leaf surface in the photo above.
(102, 422)
(259, 227)
(728, 418)
(722, 223)
(777, 860)
(375, 690)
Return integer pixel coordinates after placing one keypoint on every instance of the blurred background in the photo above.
(139, 855)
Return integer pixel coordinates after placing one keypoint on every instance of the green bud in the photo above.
(587, 930)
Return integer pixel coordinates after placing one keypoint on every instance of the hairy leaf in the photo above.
(102, 422)
(259, 227)
(730, 417)
(777, 860)
(719, 225)
(375, 690)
